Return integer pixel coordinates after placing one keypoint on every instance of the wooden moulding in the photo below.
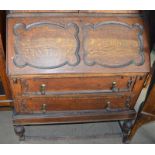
(73, 116)
(78, 11)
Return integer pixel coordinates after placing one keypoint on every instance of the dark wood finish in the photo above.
(151, 14)
(84, 66)
(5, 108)
(3, 77)
(77, 84)
(72, 102)
(3, 28)
(73, 117)
(5, 93)
(47, 40)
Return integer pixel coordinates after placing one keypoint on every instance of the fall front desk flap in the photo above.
(76, 44)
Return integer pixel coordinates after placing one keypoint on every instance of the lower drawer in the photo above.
(72, 102)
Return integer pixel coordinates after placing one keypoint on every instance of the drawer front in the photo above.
(76, 44)
(43, 86)
(73, 102)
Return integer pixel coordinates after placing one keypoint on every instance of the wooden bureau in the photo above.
(76, 66)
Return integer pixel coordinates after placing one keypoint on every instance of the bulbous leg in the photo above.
(20, 130)
(126, 130)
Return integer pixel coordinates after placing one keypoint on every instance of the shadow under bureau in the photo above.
(76, 66)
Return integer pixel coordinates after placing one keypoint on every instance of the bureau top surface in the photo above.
(76, 44)
(75, 11)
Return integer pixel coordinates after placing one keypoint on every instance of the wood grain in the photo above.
(92, 116)
(69, 67)
(72, 102)
(110, 58)
(4, 78)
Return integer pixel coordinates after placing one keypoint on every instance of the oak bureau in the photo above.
(76, 66)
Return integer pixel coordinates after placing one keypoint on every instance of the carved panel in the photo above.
(24, 85)
(127, 102)
(23, 107)
(46, 45)
(113, 44)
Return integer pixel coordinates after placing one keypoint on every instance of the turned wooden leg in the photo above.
(126, 127)
(20, 130)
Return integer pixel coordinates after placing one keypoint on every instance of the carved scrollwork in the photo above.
(23, 108)
(24, 85)
(46, 45)
(127, 102)
(113, 44)
(16, 80)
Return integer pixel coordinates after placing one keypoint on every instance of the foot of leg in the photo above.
(126, 130)
(20, 130)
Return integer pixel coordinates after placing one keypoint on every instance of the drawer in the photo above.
(72, 102)
(43, 86)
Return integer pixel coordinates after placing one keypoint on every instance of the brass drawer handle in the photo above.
(43, 108)
(42, 89)
(114, 87)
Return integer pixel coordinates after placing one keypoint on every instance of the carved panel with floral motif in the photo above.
(113, 44)
(46, 45)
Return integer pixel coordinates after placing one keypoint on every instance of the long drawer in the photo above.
(43, 86)
(72, 102)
